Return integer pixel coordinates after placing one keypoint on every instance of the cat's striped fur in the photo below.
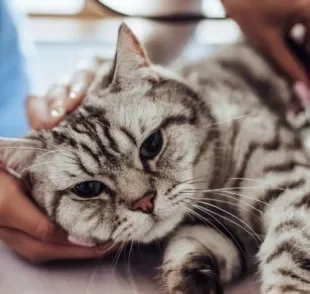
(232, 178)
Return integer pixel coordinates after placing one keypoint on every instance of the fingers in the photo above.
(37, 251)
(49, 111)
(62, 98)
(274, 44)
(81, 81)
(27, 218)
(30, 234)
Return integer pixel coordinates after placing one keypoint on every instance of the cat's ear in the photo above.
(130, 55)
(19, 154)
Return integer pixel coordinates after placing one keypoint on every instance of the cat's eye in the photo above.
(88, 189)
(152, 146)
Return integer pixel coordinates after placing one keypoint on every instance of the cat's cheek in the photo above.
(79, 220)
(162, 228)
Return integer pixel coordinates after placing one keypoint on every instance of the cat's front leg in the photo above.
(285, 253)
(199, 260)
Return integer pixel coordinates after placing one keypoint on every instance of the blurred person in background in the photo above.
(22, 226)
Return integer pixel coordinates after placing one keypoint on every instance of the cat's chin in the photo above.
(161, 229)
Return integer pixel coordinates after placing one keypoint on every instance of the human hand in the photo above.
(267, 22)
(29, 232)
(62, 98)
(23, 227)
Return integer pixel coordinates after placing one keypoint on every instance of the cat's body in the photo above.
(202, 157)
(261, 160)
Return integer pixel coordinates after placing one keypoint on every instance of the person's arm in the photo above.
(267, 22)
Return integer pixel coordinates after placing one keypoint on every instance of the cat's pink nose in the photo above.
(145, 204)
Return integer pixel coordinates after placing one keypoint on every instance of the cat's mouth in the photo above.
(155, 218)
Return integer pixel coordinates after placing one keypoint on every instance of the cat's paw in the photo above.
(198, 274)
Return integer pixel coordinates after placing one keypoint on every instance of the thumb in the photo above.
(274, 44)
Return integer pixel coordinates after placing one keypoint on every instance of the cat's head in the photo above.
(123, 165)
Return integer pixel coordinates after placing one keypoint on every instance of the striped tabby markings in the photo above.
(61, 138)
(178, 120)
(286, 166)
(285, 289)
(290, 274)
(292, 248)
(84, 168)
(129, 135)
(271, 195)
(252, 147)
(210, 137)
(89, 151)
(55, 204)
(281, 167)
(303, 202)
(293, 224)
(94, 136)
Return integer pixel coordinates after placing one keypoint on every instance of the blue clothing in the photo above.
(14, 82)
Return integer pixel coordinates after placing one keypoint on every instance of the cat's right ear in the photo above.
(19, 154)
(130, 57)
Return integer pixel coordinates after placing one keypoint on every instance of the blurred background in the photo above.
(55, 35)
(58, 34)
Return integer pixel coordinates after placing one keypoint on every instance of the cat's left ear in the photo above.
(130, 55)
(19, 154)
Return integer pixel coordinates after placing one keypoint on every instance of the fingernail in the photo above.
(73, 95)
(105, 248)
(76, 91)
(80, 242)
(57, 109)
(302, 92)
(56, 112)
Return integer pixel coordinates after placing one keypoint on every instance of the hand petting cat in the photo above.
(23, 227)
(62, 98)
(267, 22)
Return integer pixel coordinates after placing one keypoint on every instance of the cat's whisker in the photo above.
(216, 228)
(267, 185)
(111, 247)
(250, 231)
(231, 203)
(92, 277)
(35, 165)
(56, 151)
(130, 276)
(40, 163)
(231, 119)
(186, 181)
(251, 207)
(24, 147)
(247, 197)
(228, 191)
(233, 216)
(118, 254)
(55, 145)
(212, 213)
(204, 200)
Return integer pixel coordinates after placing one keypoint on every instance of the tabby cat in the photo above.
(201, 156)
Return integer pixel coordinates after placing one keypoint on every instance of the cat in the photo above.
(200, 155)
